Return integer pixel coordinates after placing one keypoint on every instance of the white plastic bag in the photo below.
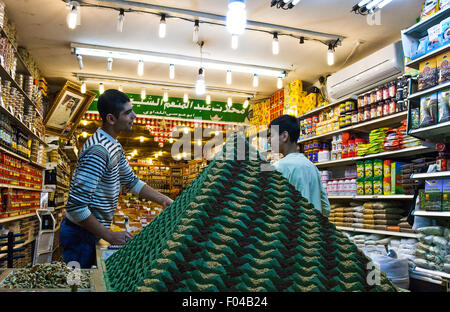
(396, 270)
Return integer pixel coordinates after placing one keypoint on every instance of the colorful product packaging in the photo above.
(387, 185)
(428, 110)
(428, 74)
(368, 186)
(387, 168)
(443, 67)
(433, 195)
(396, 177)
(446, 195)
(378, 168)
(444, 106)
(360, 186)
(429, 8)
(378, 186)
(360, 169)
(368, 168)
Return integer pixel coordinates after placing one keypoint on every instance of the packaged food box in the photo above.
(377, 168)
(428, 74)
(445, 30)
(387, 185)
(368, 186)
(360, 186)
(443, 67)
(433, 195)
(360, 169)
(446, 195)
(444, 106)
(428, 110)
(387, 168)
(415, 118)
(378, 186)
(396, 181)
(368, 168)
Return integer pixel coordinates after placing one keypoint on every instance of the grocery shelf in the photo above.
(70, 153)
(363, 126)
(7, 151)
(9, 219)
(19, 123)
(416, 150)
(371, 197)
(415, 63)
(435, 132)
(318, 109)
(381, 232)
(19, 187)
(433, 175)
(442, 214)
(433, 273)
(435, 89)
(420, 29)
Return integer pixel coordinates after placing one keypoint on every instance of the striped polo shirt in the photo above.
(100, 172)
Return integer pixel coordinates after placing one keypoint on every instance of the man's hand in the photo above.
(119, 238)
(166, 202)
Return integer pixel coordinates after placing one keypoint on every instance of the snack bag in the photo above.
(444, 106)
(427, 74)
(429, 8)
(428, 110)
(443, 67)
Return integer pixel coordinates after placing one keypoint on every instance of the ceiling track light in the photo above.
(140, 70)
(83, 88)
(279, 83)
(185, 98)
(302, 40)
(109, 64)
(120, 20)
(229, 102)
(228, 77)
(143, 94)
(275, 44)
(73, 17)
(236, 19)
(200, 86)
(101, 88)
(366, 7)
(171, 71)
(80, 61)
(165, 96)
(331, 48)
(255, 80)
(162, 26)
(196, 30)
(284, 4)
(208, 99)
(246, 102)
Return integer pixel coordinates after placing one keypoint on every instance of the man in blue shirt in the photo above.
(294, 166)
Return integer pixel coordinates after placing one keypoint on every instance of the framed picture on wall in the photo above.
(67, 110)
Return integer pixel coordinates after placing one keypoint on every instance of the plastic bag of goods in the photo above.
(396, 270)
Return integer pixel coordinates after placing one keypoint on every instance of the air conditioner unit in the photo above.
(378, 68)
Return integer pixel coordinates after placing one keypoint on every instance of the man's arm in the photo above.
(115, 238)
(150, 194)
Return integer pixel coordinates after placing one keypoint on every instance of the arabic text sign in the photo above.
(176, 108)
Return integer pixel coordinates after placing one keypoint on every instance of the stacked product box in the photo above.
(18, 173)
(378, 177)
(294, 99)
(436, 196)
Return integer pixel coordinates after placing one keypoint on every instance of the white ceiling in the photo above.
(42, 29)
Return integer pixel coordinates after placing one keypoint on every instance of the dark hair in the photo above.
(287, 123)
(111, 102)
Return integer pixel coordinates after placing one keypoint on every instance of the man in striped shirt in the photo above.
(95, 187)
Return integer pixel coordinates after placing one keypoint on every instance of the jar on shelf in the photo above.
(380, 109)
(392, 107)
(392, 90)
(366, 113)
(385, 108)
(361, 114)
(373, 96)
(379, 94)
(385, 92)
(354, 117)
